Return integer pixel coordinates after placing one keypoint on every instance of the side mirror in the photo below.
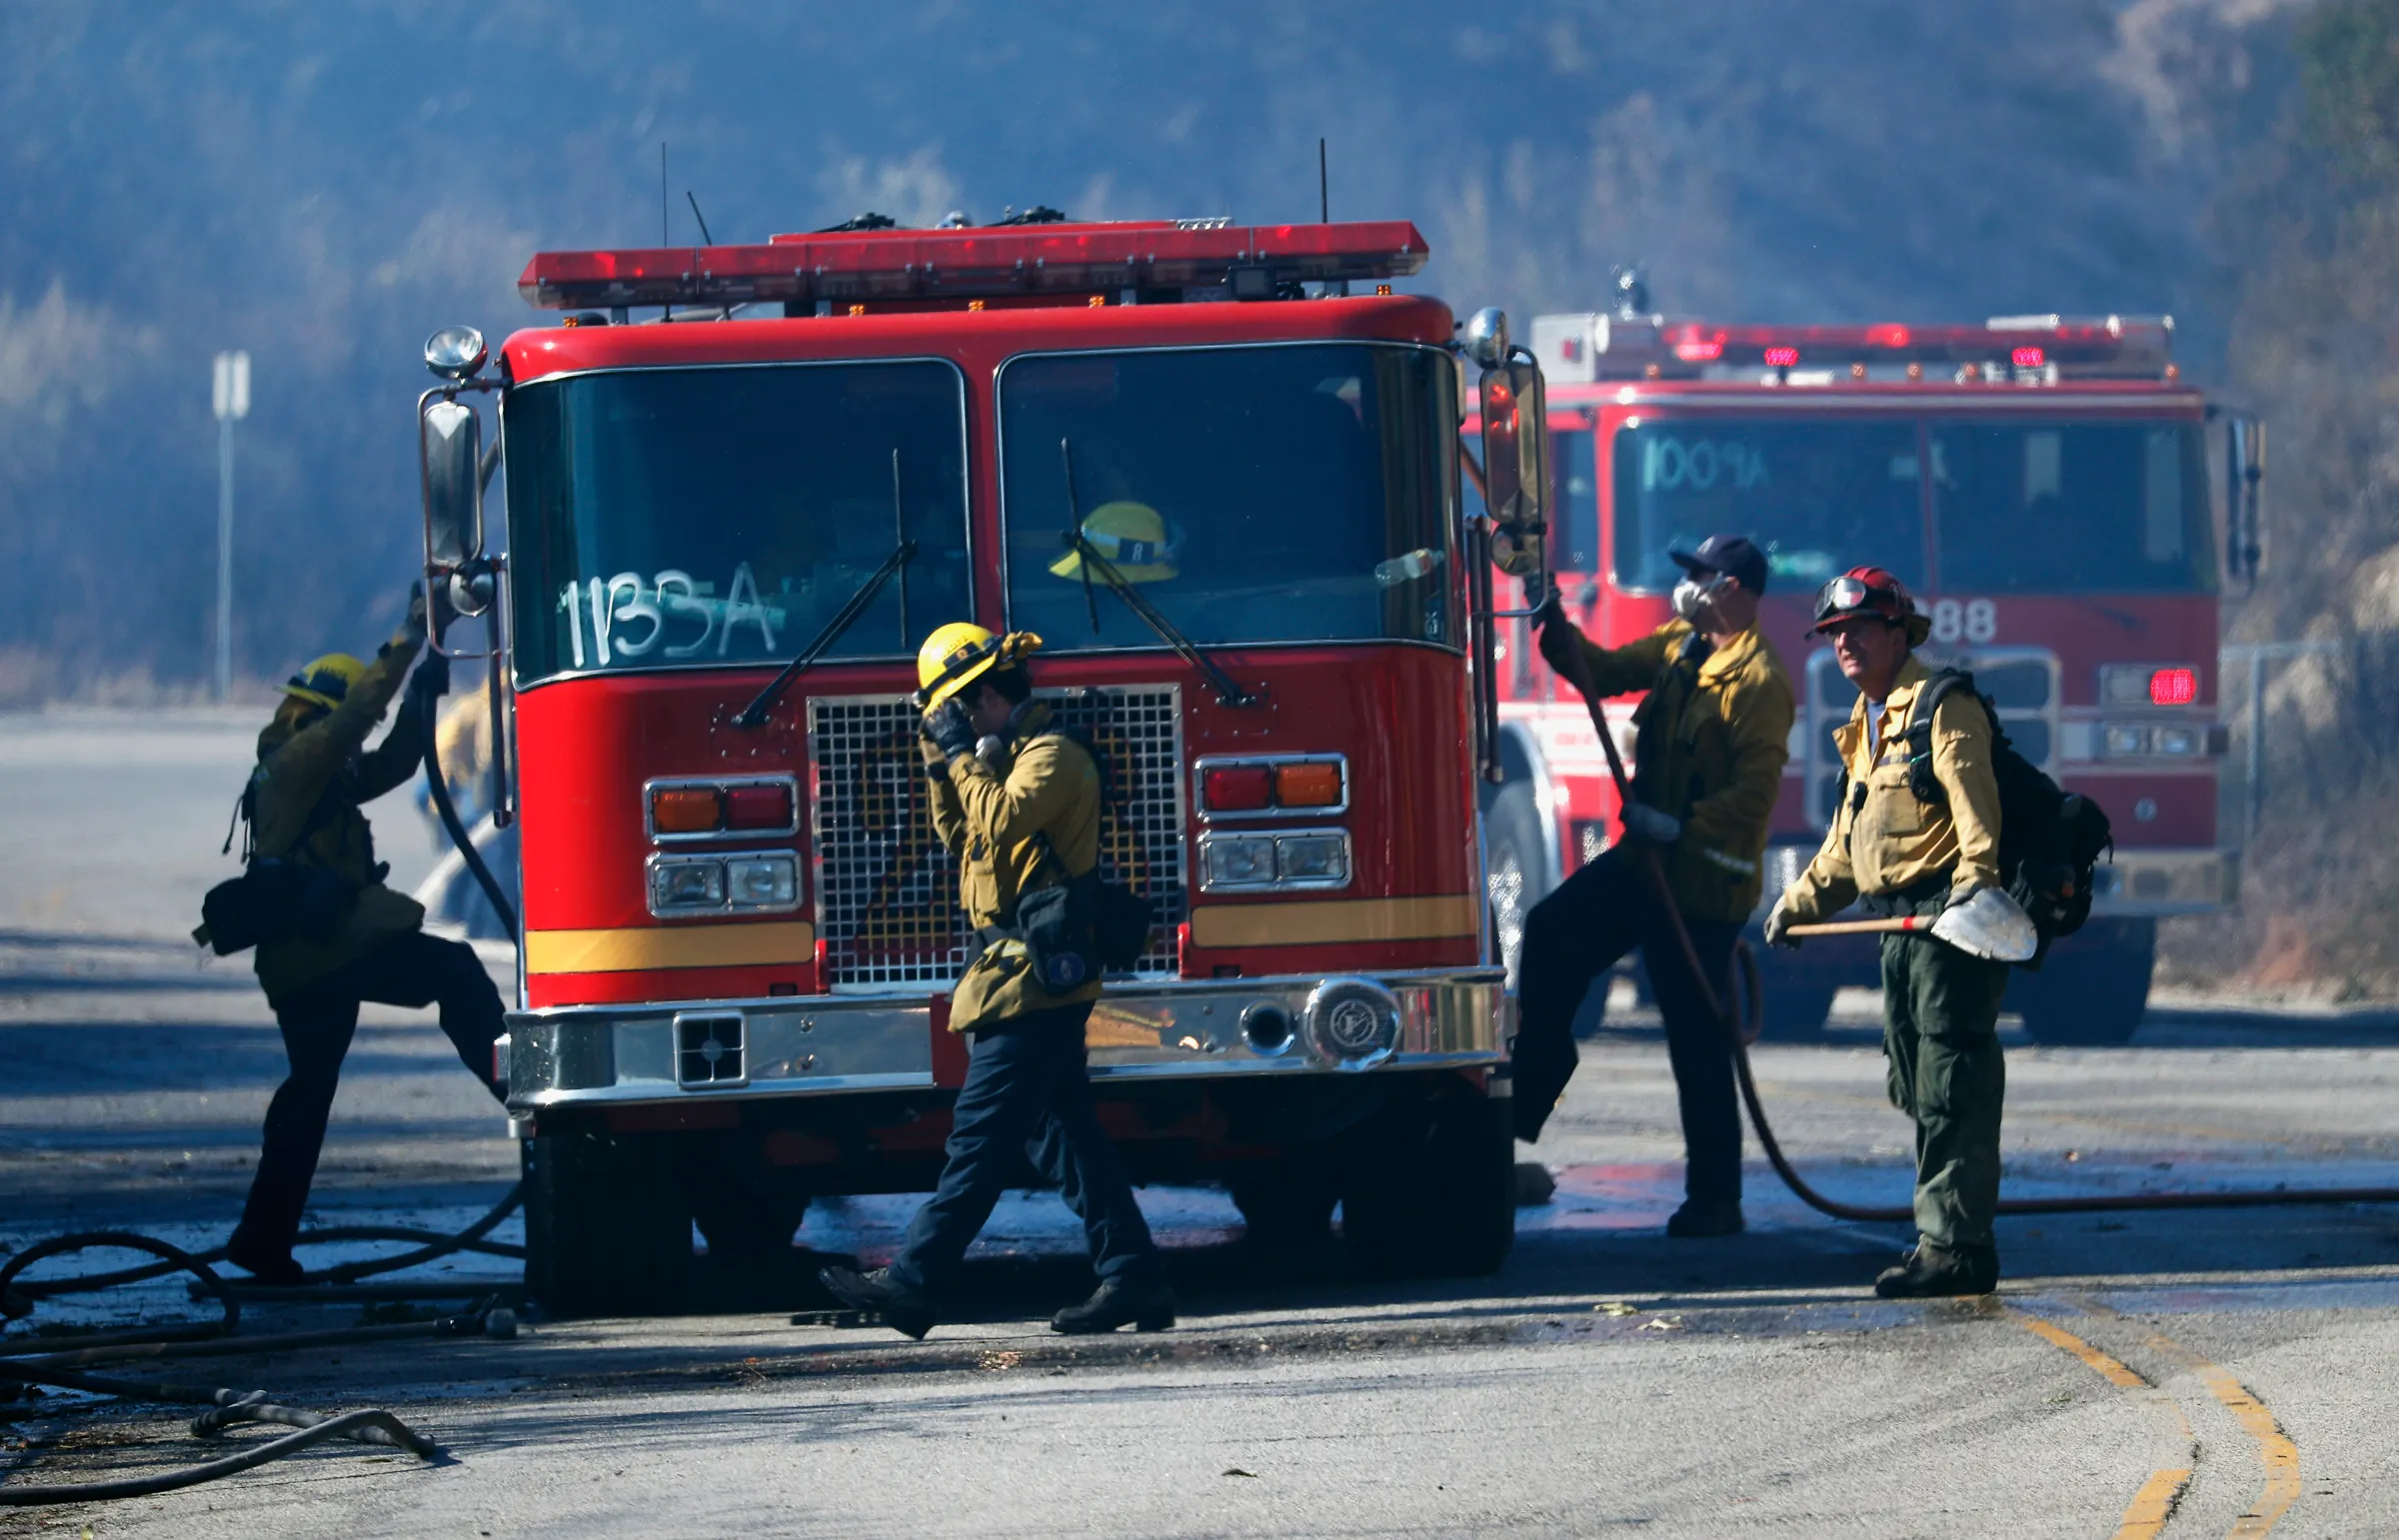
(450, 459)
(1516, 465)
(2244, 497)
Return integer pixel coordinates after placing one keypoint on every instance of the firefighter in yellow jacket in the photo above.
(1016, 801)
(1897, 853)
(314, 770)
(1713, 731)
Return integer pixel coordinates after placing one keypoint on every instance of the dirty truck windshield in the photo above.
(2018, 507)
(691, 517)
(1267, 494)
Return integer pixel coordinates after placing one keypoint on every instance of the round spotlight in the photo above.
(1351, 1023)
(456, 351)
(1267, 1028)
(1486, 337)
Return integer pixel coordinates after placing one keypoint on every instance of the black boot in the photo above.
(1147, 1308)
(903, 1309)
(1928, 1271)
(266, 1262)
(1697, 1220)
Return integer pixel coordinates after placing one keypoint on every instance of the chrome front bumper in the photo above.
(821, 1045)
(2138, 883)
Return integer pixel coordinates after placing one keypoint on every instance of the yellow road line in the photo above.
(2154, 1503)
(2275, 1451)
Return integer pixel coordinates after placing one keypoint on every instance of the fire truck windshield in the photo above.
(1818, 497)
(2020, 506)
(1287, 493)
(686, 517)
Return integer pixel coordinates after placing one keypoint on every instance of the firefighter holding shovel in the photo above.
(1926, 868)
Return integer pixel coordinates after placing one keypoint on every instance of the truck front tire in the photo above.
(1428, 1187)
(606, 1228)
(2092, 988)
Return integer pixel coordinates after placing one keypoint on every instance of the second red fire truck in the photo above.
(2043, 486)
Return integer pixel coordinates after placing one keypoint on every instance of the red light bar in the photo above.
(2030, 341)
(963, 264)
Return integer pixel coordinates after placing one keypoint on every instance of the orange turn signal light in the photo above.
(686, 809)
(1311, 785)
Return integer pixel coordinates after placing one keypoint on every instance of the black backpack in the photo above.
(275, 897)
(2050, 839)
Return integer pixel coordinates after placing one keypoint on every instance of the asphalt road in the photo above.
(2214, 1373)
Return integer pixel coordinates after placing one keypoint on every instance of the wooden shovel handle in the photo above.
(1894, 925)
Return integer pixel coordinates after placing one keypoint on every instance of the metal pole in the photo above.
(224, 558)
(2257, 744)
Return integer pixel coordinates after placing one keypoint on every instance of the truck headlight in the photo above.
(1319, 861)
(2178, 740)
(762, 881)
(686, 887)
(1237, 861)
(2124, 740)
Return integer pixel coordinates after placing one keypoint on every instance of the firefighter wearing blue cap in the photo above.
(1015, 799)
(314, 771)
(1713, 731)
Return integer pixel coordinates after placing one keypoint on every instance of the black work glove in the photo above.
(432, 679)
(1561, 643)
(947, 725)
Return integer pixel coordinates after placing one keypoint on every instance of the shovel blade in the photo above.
(1990, 925)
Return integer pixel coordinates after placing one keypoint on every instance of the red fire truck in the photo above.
(743, 481)
(2041, 484)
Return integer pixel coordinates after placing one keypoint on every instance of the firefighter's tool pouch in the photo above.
(1081, 928)
(272, 899)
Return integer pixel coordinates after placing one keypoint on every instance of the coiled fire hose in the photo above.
(1748, 1010)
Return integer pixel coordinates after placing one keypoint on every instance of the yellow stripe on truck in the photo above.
(1329, 922)
(656, 947)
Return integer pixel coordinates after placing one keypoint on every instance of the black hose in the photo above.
(435, 1245)
(347, 1425)
(439, 789)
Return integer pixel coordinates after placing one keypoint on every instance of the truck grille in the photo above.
(886, 890)
(2022, 681)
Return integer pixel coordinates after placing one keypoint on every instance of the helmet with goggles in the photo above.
(1869, 592)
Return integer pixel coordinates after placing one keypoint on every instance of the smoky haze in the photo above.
(323, 185)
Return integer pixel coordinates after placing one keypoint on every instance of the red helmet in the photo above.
(1870, 591)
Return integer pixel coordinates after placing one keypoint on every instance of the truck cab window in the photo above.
(2081, 507)
(687, 518)
(1255, 495)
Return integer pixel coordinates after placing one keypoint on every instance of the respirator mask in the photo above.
(1692, 596)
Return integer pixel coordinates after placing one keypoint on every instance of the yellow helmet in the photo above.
(326, 681)
(1131, 538)
(959, 653)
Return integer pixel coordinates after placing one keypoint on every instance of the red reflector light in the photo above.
(1782, 358)
(1704, 352)
(766, 806)
(687, 810)
(2029, 358)
(1237, 788)
(1308, 786)
(2173, 686)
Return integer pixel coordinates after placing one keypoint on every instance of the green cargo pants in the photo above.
(1941, 1032)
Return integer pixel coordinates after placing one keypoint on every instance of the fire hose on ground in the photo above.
(1746, 1009)
(55, 1365)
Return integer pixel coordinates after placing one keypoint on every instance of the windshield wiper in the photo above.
(894, 566)
(1091, 561)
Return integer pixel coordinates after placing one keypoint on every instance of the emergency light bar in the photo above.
(1249, 261)
(1587, 346)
